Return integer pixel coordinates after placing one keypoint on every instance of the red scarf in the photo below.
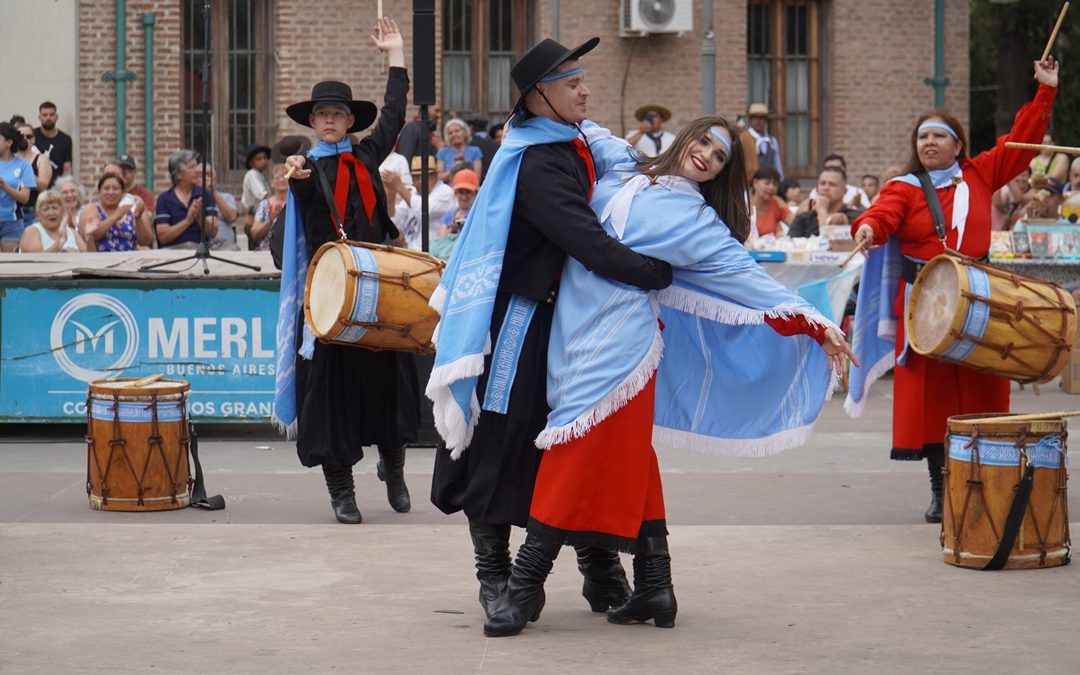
(582, 151)
(341, 189)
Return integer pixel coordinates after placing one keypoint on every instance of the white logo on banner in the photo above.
(118, 332)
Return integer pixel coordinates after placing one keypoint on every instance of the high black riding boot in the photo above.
(934, 463)
(653, 596)
(391, 470)
(491, 543)
(339, 481)
(524, 596)
(605, 585)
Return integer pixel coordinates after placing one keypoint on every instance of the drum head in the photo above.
(327, 291)
(125, 389)
(933, 304)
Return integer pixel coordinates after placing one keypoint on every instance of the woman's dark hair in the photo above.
(766, 173)
(107, 176)
(913, 164)
(8, 131)
(727, 192)
(786, 185)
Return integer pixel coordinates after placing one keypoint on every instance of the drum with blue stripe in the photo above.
(372, 296)
(137, 445)
(991, 320)
(986, 455)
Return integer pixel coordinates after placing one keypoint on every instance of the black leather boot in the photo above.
(491, 543)
(605, 584)
(391, 470)
(339, 481)
(653, 596)
(934, 463)
(524, 596)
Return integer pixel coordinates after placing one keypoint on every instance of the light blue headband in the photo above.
(934, 124)
(715, 131)
(564, 74)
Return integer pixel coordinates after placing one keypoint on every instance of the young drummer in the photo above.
(336, 399)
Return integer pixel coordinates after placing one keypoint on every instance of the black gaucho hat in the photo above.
(544, 57)
(338, 93)
(254, 150)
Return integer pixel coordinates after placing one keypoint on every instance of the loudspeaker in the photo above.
(423, 52)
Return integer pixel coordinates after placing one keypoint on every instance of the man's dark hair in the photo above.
(835, 169)
(840, 158)
(46, 104)
(17, 120)
(872, 177)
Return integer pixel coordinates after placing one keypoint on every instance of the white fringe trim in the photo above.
(437, 301)
(721, 311)
(622, 394)
(450, 421)
(855, 408)
(732, 447)
(288, 429)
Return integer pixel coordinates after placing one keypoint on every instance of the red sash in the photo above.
(582, 151)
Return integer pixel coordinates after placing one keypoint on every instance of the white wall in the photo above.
(40, 61)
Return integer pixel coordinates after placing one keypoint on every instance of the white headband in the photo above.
(934, 124)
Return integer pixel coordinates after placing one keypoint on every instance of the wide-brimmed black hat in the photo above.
(290, 145)
(544, 57)
(338, 93)
(254, 150)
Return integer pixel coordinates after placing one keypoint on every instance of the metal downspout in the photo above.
(555, 20)
(121, 76)
(939, 81)
(708, 63)
(148, 20)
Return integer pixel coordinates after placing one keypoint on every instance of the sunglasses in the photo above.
(28, 137)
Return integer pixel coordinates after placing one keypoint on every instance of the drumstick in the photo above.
(1028, 417)
(1053, 33)
(147, 380)
(1039, 146)
(289, 171)
(854, 253)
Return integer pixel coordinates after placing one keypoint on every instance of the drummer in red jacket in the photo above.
(347, 397)
(927, 392)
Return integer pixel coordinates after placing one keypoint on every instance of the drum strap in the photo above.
(1014, 519)
(198, 491)
(932, 201)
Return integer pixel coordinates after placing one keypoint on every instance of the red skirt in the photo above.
(603, 489)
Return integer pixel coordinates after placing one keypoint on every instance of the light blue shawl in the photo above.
(726, 382)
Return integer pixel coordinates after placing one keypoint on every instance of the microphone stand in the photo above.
(202, 251)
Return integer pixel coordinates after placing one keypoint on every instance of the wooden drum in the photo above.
(983, 468)
(991, 320)
(137, 445)
(365, 295)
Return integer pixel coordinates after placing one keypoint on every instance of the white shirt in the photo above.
(407, 217)
(397, 163)
(647, 146)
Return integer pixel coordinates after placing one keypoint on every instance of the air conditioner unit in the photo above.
(642, 17)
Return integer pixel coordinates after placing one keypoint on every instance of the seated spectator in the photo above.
(16, 181)
(871, 185)
(74, 196)
(268, 209)
(256, 187)
(791, 192)
(1008, 202)
(767, 211)
(397, 163)
(1049, 163)
(854, 196)
(179, 218)
(225, 239)
(407, 215)
(457, 149)
(1045, 199)
(144, 211)
(42, 171)
(131, 186)
(109, 225)
(52, 232)
(466, 184)
(495, 133)
(1074, 178)
(827, 208)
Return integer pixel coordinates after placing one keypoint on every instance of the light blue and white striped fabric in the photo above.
(727, 383)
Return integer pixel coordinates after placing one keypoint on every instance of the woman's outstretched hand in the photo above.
(838, 350)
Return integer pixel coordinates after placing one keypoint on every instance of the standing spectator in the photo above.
(854, 195)
(458, 149)
(870, 185)
(767, 211)
(791, 193)
(42, 172)
(16, 180)
(650, 139)
(759, 147)
(180, 207)
(408, 211)
(110, 225)
(268, 209)
(52, 233)
(256, 187)
(53, 142)
(496, 132)
(396, 163)
(411, 136)
(1048, 163)
(480, 139)
(73, 195)
(128, 173)
(827, 207)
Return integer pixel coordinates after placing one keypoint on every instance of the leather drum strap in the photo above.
(936, 212)
(1014, 520)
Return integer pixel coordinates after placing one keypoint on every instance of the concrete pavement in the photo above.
(812, 561)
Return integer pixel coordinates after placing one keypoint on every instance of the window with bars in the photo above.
(783, 71)
(481, 39)
(240, 77)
